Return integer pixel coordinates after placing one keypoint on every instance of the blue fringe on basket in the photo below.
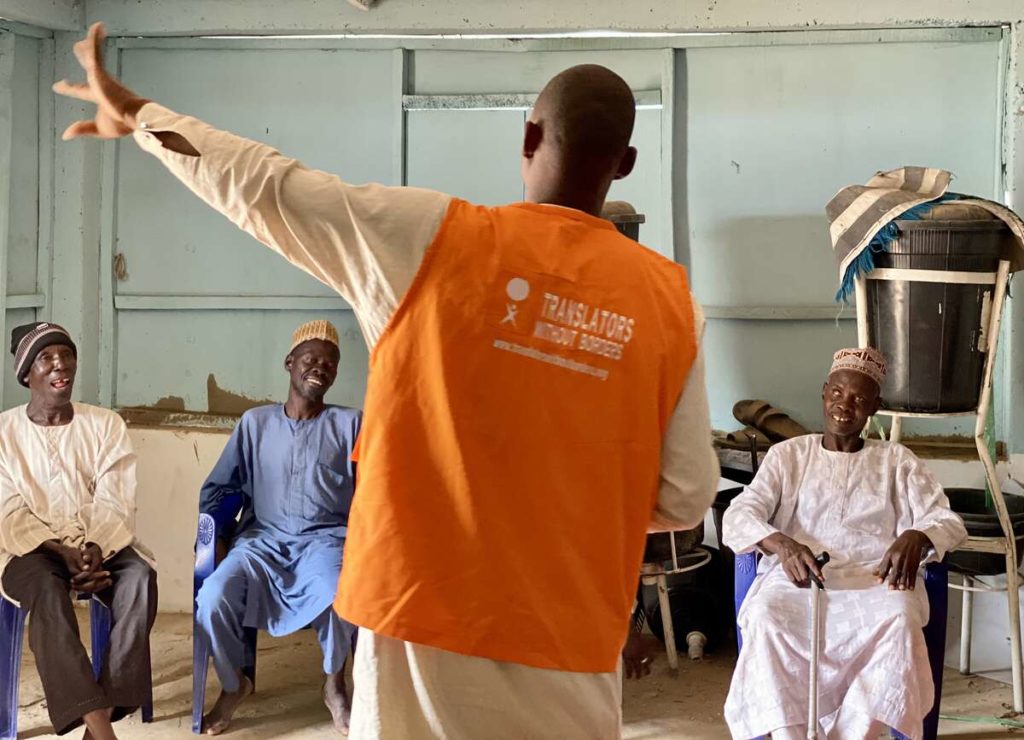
(865, 261)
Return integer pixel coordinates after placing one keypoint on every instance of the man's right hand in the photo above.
(84, 577)
(116, 105)
(636, 656)
(797, 560)
(92, 583)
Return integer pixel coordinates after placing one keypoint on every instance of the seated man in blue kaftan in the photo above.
(880, 515)
(280, 495)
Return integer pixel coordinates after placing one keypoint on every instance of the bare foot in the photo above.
(98, 726)
(219, 718)
(336, 698)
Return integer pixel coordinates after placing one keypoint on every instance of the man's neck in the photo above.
(587, 200)
(842, 443)
(586, 205)
(46, 415)
(302, 409)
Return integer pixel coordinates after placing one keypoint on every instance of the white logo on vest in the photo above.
(518, 290)
(567, 323)
(577, 325)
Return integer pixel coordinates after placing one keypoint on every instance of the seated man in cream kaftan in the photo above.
(67, 525)
(880, 515)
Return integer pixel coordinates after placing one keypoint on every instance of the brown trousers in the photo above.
(41, 583)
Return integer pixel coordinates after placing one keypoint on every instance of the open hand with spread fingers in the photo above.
(116, 105)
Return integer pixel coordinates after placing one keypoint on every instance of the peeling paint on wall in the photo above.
(223, 409)
(170, 403)
(224, 402)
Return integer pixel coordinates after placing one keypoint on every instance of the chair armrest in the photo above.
(206, 548)
(744, 573)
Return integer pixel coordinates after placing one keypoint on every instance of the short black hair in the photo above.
(590, 111)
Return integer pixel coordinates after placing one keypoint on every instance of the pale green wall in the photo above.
(773, 133)
(736, 166)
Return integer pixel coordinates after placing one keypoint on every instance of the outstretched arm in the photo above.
(365, 242)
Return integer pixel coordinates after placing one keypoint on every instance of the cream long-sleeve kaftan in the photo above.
(873, 659)
(73, 483)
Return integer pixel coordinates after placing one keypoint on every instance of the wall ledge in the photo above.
(189, 421)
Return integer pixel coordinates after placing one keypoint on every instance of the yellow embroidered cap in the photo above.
(318, 329)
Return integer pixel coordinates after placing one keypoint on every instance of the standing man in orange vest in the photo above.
(536, 402)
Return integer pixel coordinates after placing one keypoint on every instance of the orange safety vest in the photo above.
(510, 453)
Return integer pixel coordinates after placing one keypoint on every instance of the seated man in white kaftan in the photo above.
(280, 495)
(879, 513)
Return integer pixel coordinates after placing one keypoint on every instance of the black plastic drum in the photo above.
(933, 334)
(982, 521)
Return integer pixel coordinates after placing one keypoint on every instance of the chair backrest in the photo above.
(206, 549)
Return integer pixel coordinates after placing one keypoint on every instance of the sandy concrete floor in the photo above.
(287, 703)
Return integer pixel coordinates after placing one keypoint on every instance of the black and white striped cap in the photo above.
(29, 340)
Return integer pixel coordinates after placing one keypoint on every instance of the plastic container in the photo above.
(725, 497)
(694, 609)
(699, 601)
(980, 521)
(933, 335)
(658, 548)
(628, 224)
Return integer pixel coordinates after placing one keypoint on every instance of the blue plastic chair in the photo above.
(12, 630)
(206, 548)
(936, 581)
(206, 562)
